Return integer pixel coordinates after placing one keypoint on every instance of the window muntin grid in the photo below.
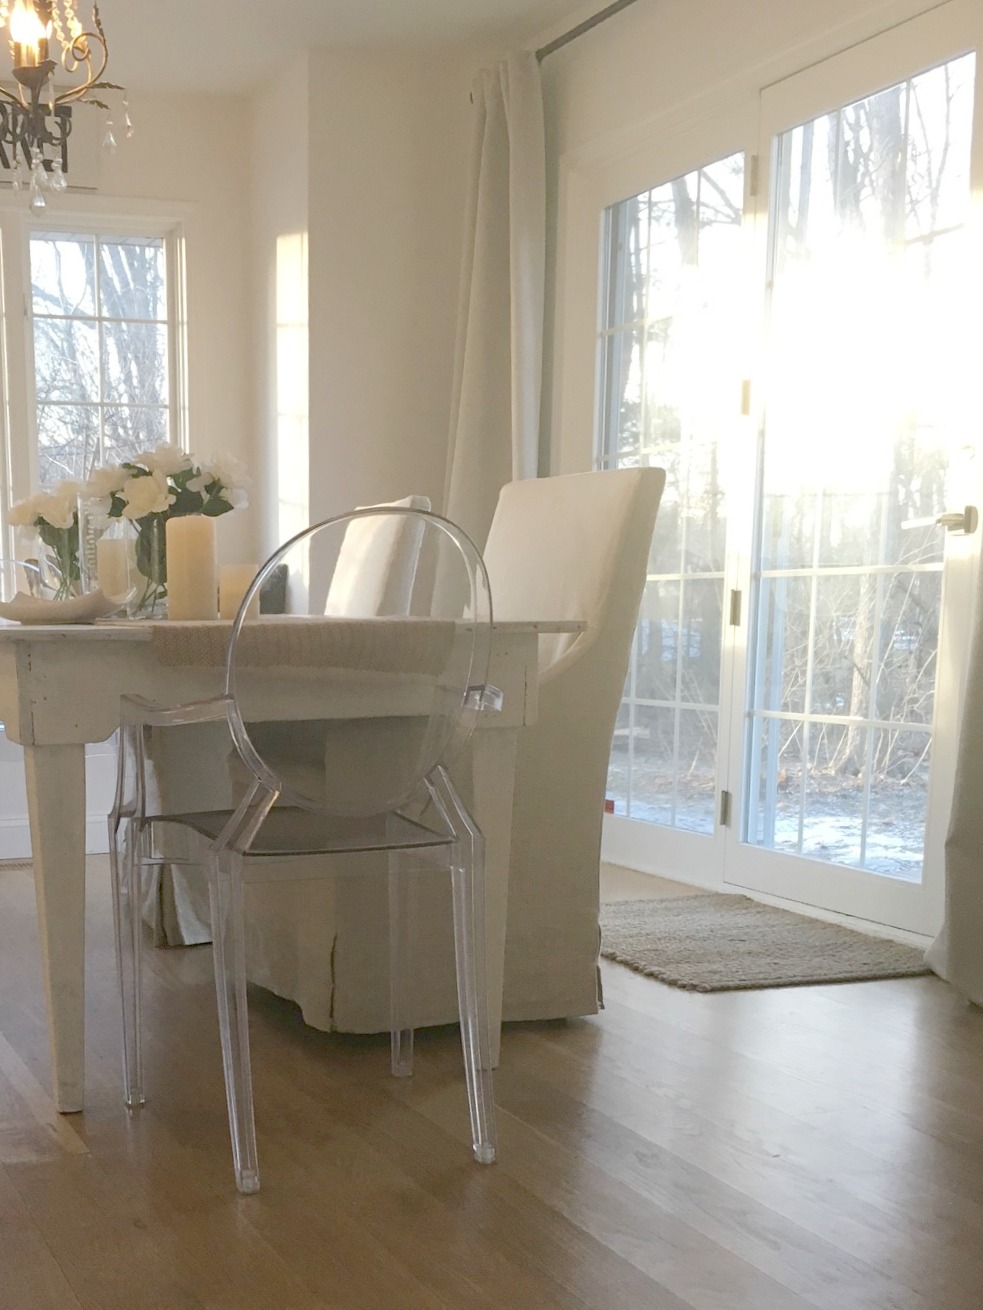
(99, 310)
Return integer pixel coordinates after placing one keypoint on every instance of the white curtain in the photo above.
(957, 953)
(494, 435)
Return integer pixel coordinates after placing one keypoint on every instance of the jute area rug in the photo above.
(720, 942)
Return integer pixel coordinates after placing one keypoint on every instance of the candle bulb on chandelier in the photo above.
(28, 35)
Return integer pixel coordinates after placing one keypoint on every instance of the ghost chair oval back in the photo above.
(377, 707)
(376, 573)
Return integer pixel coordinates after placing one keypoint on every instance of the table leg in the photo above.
(493, 764)
(56, 806)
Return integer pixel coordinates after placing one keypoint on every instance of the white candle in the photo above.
(233, 583)
(192, 586)
(114, 564)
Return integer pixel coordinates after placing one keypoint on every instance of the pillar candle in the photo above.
(114, 566)
(233, 583)
(192, 585)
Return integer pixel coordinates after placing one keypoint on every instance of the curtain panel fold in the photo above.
(957, 953)
(495, 404)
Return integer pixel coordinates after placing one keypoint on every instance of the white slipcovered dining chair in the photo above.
(325, 783)
(575, 546)
(377, 562)
(570, 547)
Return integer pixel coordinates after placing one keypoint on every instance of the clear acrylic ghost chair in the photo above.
(338, 785)
(374, 574)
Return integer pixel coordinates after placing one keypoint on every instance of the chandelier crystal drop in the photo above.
(49, 40)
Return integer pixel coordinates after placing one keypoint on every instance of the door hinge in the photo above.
(753, 177)
(724, 816)
(746, 397)
(735, 608)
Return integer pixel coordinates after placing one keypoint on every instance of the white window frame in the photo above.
(84, 215)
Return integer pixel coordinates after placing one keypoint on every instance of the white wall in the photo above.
(279, 197)
(389, 133)
(364, 153)
(660, 54)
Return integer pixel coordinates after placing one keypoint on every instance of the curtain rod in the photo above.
(581, 28)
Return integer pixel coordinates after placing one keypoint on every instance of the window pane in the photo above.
(134, 361)
(132, 282)
(617, 788)
(938, 183)
(657, 647)
(620, 419)
(898, 803)
(784, 605)
(869, 364)
(653, 752)
(130, 429)
(699, 641)
(672, 310)
(696, 765)
(101, 350)
(68, 442)
(63, 275)
(66, 360)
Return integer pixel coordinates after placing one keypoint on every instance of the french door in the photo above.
(794, 339)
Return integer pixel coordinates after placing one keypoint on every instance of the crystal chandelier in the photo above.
(36, 116)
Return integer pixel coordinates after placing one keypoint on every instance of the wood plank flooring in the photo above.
(808, 1147)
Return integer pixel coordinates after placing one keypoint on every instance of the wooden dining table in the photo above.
(60, 688)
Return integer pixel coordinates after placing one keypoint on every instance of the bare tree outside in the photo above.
(99, 312)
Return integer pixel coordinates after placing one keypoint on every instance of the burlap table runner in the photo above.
(375, 645)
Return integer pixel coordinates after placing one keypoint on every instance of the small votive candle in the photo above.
(233, 583)
(192, 584)
(114, 567)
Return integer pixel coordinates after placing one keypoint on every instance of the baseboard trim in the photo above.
(15, 838)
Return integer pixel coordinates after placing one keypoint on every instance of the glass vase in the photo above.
(53, 554)
(107, 554)
(149, 600)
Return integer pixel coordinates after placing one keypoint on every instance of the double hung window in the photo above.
(95, 363)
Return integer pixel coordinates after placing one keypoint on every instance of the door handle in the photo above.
(966, 521)
(960, 520)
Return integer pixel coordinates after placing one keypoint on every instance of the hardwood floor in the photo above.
(807, 1147)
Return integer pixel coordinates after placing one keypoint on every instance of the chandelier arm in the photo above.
(79, 53)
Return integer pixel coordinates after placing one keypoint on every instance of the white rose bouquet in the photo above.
(168, 481)
(149, 489)
(160, 484)
(54, 514)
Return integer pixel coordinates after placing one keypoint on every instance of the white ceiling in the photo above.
(205, 45)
